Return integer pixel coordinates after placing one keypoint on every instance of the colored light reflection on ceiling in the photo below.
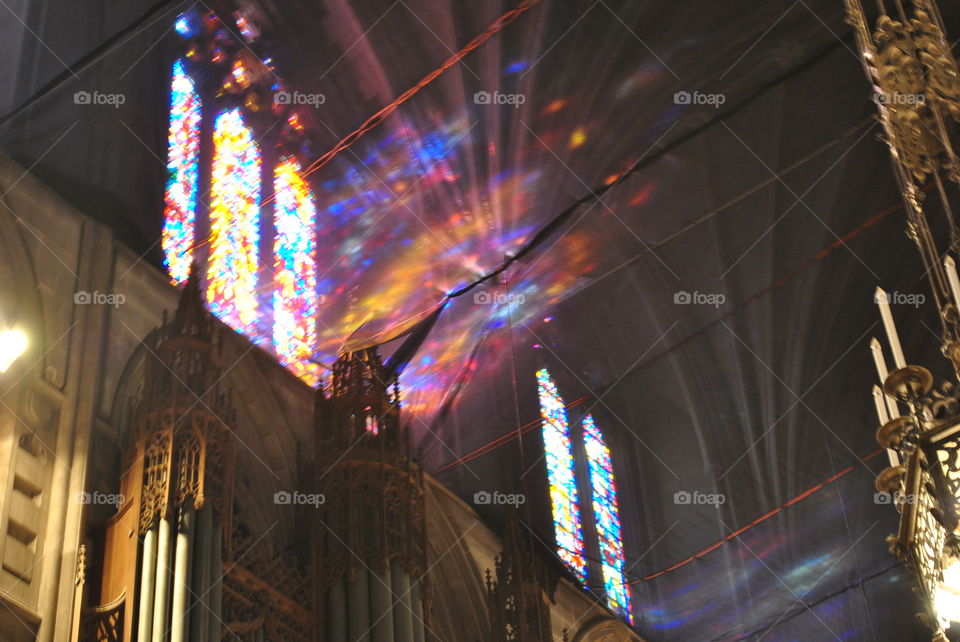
(294, 272)
(182, 171)
(607, 516)
(234, 224)
(562, 476)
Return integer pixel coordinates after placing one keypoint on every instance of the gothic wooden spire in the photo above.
(518, 595)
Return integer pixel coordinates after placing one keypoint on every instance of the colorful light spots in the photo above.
(294, 272)
(182, 26)
(562, 476)
(182, 171)
(577, 138)
(607, 516)
(234, 224)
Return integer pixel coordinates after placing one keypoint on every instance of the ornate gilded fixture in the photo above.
(916, 87)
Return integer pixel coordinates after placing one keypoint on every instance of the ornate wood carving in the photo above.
(183, 420)
(374, 504)
(180, 449)
(104, 623)
(519, 589)
(252, 605)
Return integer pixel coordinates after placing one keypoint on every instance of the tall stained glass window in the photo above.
(294, 272)
(183, 154)
(234, 224)
(607, 517)
(562, 476)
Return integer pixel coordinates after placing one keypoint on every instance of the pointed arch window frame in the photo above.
(243, 253)
(562, 472)
(183, 172)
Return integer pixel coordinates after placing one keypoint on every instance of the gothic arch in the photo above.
(604, 629)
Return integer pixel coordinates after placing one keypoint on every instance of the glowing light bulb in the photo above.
(946, 599)
(13, 343)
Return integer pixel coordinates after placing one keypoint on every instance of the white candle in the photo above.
(893, 409)
(952, 279)
(878, 361)
(892, 457)
(881, 298)
(880, 405)
(878, 398)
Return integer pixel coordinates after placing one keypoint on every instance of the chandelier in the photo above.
(916, 87)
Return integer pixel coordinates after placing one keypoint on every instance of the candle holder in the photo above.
(916, 84)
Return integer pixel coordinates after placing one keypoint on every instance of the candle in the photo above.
(878, 361)
(881, 365)
(952, 279)
(880, 405)
(881, 298)
(878, 398)
(892, 457)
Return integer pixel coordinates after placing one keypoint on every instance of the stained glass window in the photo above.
(183, 152)
(562, 476)
(234, 224)
(294, 272)
(607, 518)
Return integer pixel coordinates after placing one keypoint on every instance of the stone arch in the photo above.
(604, 629)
